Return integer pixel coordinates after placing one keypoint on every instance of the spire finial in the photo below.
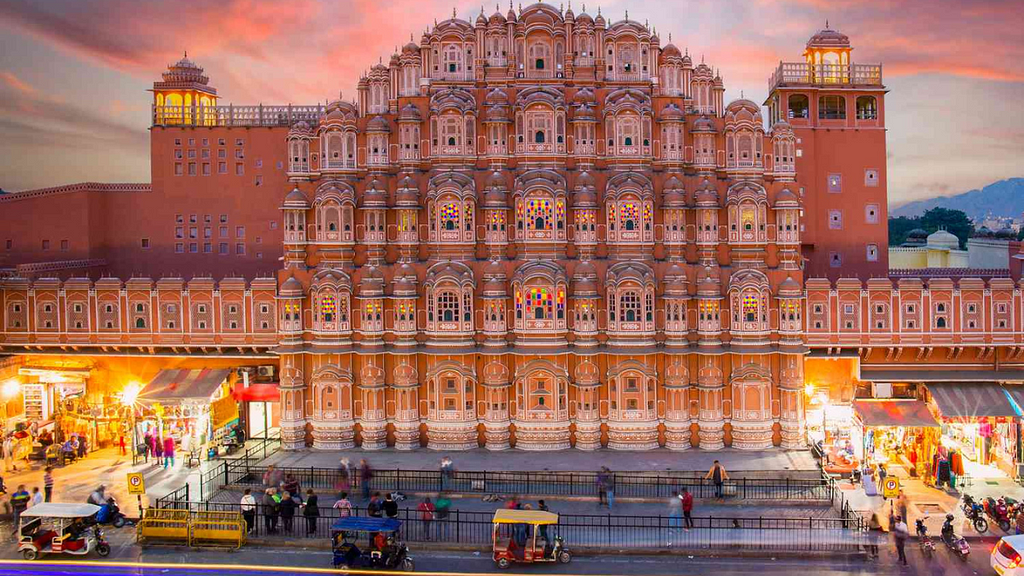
(826, 23)
(741, 95)
(701, 58)
(670, 37)
(453, 13)
(627, 15)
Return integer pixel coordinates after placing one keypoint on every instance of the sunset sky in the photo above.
(74, 73)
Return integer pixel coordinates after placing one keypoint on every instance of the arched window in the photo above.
(867, 108)
(140, 323)
(799, 106)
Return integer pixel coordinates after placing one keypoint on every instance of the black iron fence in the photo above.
(581, 530)
(243, 473)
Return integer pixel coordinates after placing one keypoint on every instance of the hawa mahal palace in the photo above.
(536, 229)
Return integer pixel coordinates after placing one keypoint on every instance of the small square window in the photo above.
(239, 169)
(871, 213)
(835, 219)
(835, 183)
(223, 231)
(191, 168)
(259, 163)
(179, 231)
(240, 231)
(223, 248)
(222, 168)
(259, 180)
(177, 141)
(178, 169)
(64, 245)
(191, 141)
(223, 218)
(259, 239)
(872, 252)
(10, 243)
(220, 141)
(818, 308)
(46, 244)
(835, 260)
(972, 308)
(206, 141)
(871, 178)
(239, 142)
(273, 224)
(145, 242)
(179, 247)
(180, 218)
(240, 248)
(259, 255)
(207, 247)
(193, 247)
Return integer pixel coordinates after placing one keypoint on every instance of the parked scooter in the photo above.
(975, 513)
(996, 510)
(956, 544)
(925, 541)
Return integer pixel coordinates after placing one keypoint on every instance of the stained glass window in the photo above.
(450, 216)
(539, 303)
(560, 301)
(750, 307)
(328, 307)
(629, 214)
(538, 213)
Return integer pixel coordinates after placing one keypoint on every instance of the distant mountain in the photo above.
(1003, 198)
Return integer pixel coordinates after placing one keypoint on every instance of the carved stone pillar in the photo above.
(407, 411)
(710, 419)
(791, 402)
(677, 402)
(293, 402)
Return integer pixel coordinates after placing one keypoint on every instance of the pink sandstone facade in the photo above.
(540, 230)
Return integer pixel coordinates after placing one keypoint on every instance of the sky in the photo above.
(74, 73)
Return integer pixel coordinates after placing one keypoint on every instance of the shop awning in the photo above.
(1016, 392)
(178, 385)
(873, 374)
(910, 413)
(256, 392)
(972, 400)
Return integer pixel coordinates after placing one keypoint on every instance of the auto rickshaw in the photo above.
(516, 535)
(383, 548)
(60, 528)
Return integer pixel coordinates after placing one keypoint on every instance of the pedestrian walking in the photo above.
(37, 497)
(291, 484)
(311, 511)
(287, 508)
(881, 473)
(272, 477)
(609, 490)
(447, 471)
(374, 507)
(365, 475)
(248, 507)
(121, 445)
(158, 449)
(687, 500)
(48, 484)
(169, 452)
(390, 506)
(426, 510)
(718, 476)
(19, 503)
(543, 507)
(343, 506)
(83, 447)
(601, 482)
(901, 505)
(270, 511)
(442, 510)
(875, 534)
(675, 514)
(8, 448)
(900, 534)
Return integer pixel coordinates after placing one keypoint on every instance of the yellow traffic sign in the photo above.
(136, 483)
(891, 487)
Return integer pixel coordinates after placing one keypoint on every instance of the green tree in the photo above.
(899, 227)
(955, 222)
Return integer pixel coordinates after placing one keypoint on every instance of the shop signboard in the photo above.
(891, 487)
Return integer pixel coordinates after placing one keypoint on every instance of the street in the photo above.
(252, 559)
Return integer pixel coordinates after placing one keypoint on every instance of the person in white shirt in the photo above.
(248, 507)
(37, 497)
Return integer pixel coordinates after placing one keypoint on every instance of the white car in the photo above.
(1006, 556)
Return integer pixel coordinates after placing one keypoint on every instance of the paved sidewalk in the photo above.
(933, 504)
(775, 462)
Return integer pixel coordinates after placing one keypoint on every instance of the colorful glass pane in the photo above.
(328, 304)
(630, 211)
(749, 304)
(450, 211)
(560, 209)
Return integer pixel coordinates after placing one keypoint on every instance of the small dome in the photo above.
(375, 194)
(706, 194)
(378, 124)
(411, 48)
(291, 288)
(703, 124)
(674, 194)
(494, 269)
(599, 21)
(786, 199)
(410, 113)
(687, 61)
(670, 51)
(943, 240)
(584, 279)
(185, 71)
(296, 199)
(709, 286)
(496, 97)
(408, 193)
(497, 18)
(584, 96)
(743, 104)
(790, 288)
(828, 38)
(674, 281)
(481, 20)
(495, 195)
(585, 180)
(672, 112)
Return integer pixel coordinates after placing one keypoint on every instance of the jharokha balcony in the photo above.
(803, 73)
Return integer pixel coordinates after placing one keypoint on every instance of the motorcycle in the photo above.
(975, 513)
(996, 510)
(927, 546)
(1013, 507)
(110, 513)
(956, 544)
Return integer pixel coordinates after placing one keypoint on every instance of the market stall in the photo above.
(195, 407)
(979, 429)
(894, 433)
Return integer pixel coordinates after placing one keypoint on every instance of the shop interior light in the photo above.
(130, 393)
(11, 388)
(809, 389)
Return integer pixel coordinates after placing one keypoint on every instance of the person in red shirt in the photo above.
(687, 499)
(426, 509)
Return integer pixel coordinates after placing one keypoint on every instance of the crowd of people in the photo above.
(161, 448)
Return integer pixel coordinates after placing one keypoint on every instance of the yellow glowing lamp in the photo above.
(130, 393)
(11, 388)
(809, 389)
